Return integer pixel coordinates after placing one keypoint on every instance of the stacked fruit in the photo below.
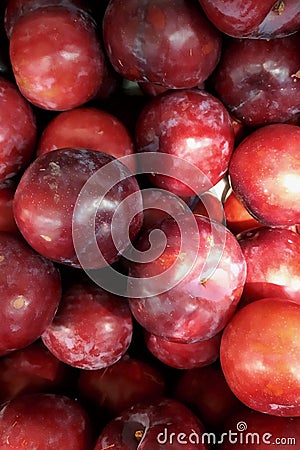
(149, 224)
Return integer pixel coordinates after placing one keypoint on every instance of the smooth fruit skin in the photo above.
(207, 393)
(253, 18)
(257, 80)
(169, 42)
(17, 130)
(92, 328)
(192, 125)
(236, 17)
(30, 287)
(32, 369)
(19, 8)
(56, 58)
(90, 128)
(265, 174)
(121, 385)
(44, 421)
(273, 264)
(260, 356)
(184, 356)
(46, 196)
(200, 305)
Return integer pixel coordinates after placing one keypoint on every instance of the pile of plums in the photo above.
(149, 224)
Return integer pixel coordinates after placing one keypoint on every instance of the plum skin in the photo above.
(259, 355)
(269, 189)
(273, 264)
(44, 421)
(30, 293)
(257, 80)
(57, 73)
(45, 199)
(192, 125)
(198, 307)
(92, 328)
(18, 130)
(169, 42)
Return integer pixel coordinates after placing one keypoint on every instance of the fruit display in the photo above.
(149, 224)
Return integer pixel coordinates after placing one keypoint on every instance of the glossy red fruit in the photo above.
(31, 370)
(184, 356)
(163, 424)
(192, 125)
(196, 290)
(169, 42)
(273, 264)
(89, 128)
(207, 393)
(92, 328)
(17, 130)
(257, 80)
(30, 289)
(56, 58)
(252, 18)
(45, 200)
(275, 150)
(18, 8)
(43, 421)
(260, 356)
(120, 386)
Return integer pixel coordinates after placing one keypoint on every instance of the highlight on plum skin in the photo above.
(18, 131)
(257, 80)
(46, 196)
(168, 42)
(274, 148)
(192, 125)
(273, 264)
(92, 328)
(202, 98)
(259, 356)
(200, 305)
(61, 73)
(16, 9)
(90, 128)
(254, 19)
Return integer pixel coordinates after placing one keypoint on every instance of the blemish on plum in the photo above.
(19, 302)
